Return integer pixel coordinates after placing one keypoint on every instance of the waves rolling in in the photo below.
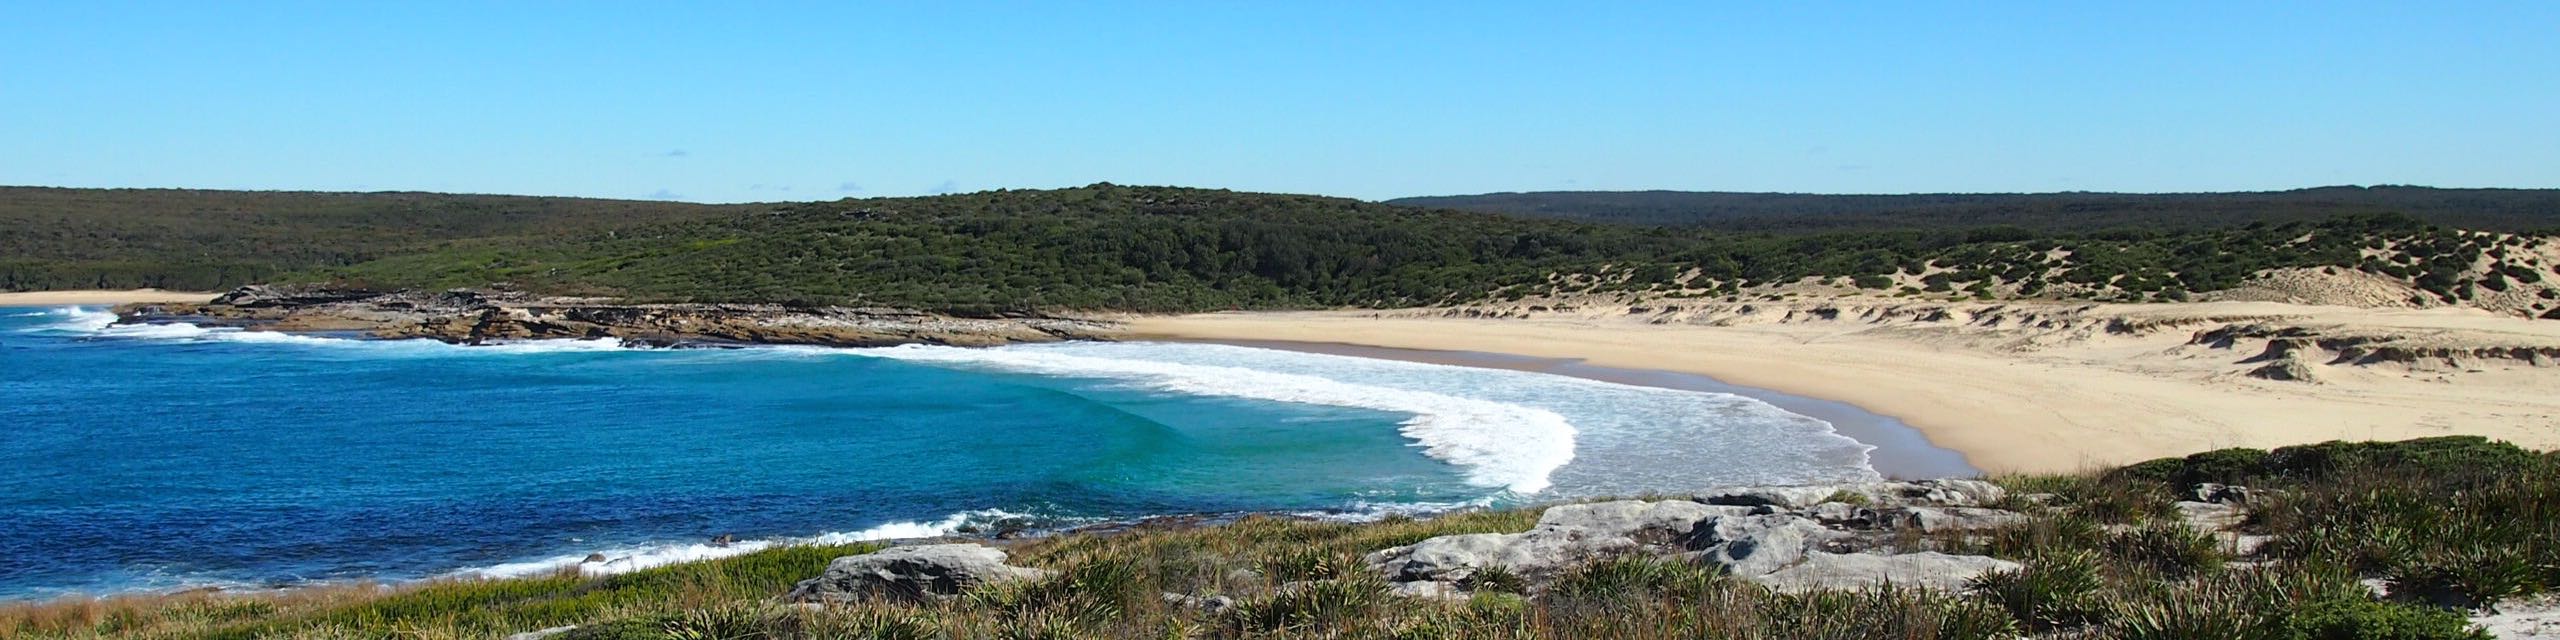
(542, 453)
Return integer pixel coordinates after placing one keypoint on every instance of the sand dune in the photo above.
(42, 298)
(2031, 386)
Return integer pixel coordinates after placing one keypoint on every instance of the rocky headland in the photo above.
(473, 316)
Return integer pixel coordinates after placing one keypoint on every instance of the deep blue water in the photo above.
(169, 456)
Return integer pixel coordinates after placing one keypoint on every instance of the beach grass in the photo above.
(2449, 524)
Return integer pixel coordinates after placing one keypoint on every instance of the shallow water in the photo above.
(170, 456)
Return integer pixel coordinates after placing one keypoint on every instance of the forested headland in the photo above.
(1164, 249)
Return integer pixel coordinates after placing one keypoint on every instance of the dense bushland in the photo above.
(1168, 249)
(184, 239)
(2506, 210)
(1152, 249)
(2447, 524)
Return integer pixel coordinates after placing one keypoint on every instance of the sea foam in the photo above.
(1498, 444)
(1520, 430)
(634, 558)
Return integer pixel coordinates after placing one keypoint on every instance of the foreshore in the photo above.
(1901, 452)
(2027, 387)
(129, 296)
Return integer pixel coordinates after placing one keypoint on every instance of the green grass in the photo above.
(2452, 523)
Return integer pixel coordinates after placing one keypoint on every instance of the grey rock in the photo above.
(911, 573)
(2242, 545)
(1946, 492)
(1668, 520)
(1844, 515)
(1204, 604)
(543, 633)
(2219, 493)
(1937, 519)
(1796, 497)
(2210, 516)
(1848, 571)
(1427, 590)
(1751, 545)
(1565, 536)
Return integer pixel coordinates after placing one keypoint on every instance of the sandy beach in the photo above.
(2032, 387)
(44, 298)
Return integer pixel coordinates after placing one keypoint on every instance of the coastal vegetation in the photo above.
(1109, 247)
(2504, 210)
(2354, 540)
(203, 240)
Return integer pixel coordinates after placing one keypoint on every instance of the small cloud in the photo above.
(848, 186)
(947, 186)
(663, 194)
(676, 153)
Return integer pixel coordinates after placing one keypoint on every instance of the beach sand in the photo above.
(48, 298)
(2025, 387)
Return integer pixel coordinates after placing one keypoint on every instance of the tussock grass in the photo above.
(2448, 523)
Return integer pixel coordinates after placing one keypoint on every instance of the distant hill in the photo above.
(1115, 247)
(190, 239)
(2479, 209)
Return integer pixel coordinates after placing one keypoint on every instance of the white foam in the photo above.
(1521, 430)
(75, 319)
(629, 559)
(1497, 444)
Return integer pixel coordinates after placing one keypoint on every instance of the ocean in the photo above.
(173, 456)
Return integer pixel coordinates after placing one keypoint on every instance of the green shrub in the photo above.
(1312, 606)
(2469, 577)
(2057, 590)
(2368, 620)
(2173, 549)
(1636, 576)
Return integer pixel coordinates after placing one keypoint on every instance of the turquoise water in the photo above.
(156, 457)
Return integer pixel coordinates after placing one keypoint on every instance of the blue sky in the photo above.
(781, 101)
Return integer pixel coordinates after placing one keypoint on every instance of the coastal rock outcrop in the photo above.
(1927, 570)
(911, 573)
(1791, 538)
(1565, 536)
(467, 316)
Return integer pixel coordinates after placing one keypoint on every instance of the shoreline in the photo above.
(99, 296)
(2022, 387)
(1901, 452)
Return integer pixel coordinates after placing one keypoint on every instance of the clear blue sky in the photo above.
(779, 101)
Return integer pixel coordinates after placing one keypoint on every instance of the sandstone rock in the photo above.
(1427, 590)
(1845, 516)
(1796, 497)
(1945, 492)
(1753, 545)
(1949, 492)
(543, 633)
(1936, 519)
(2219, 493)
(911, 573)
(1929, 570)
(2208, 516)
(1565, 536)
(1204, 604)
